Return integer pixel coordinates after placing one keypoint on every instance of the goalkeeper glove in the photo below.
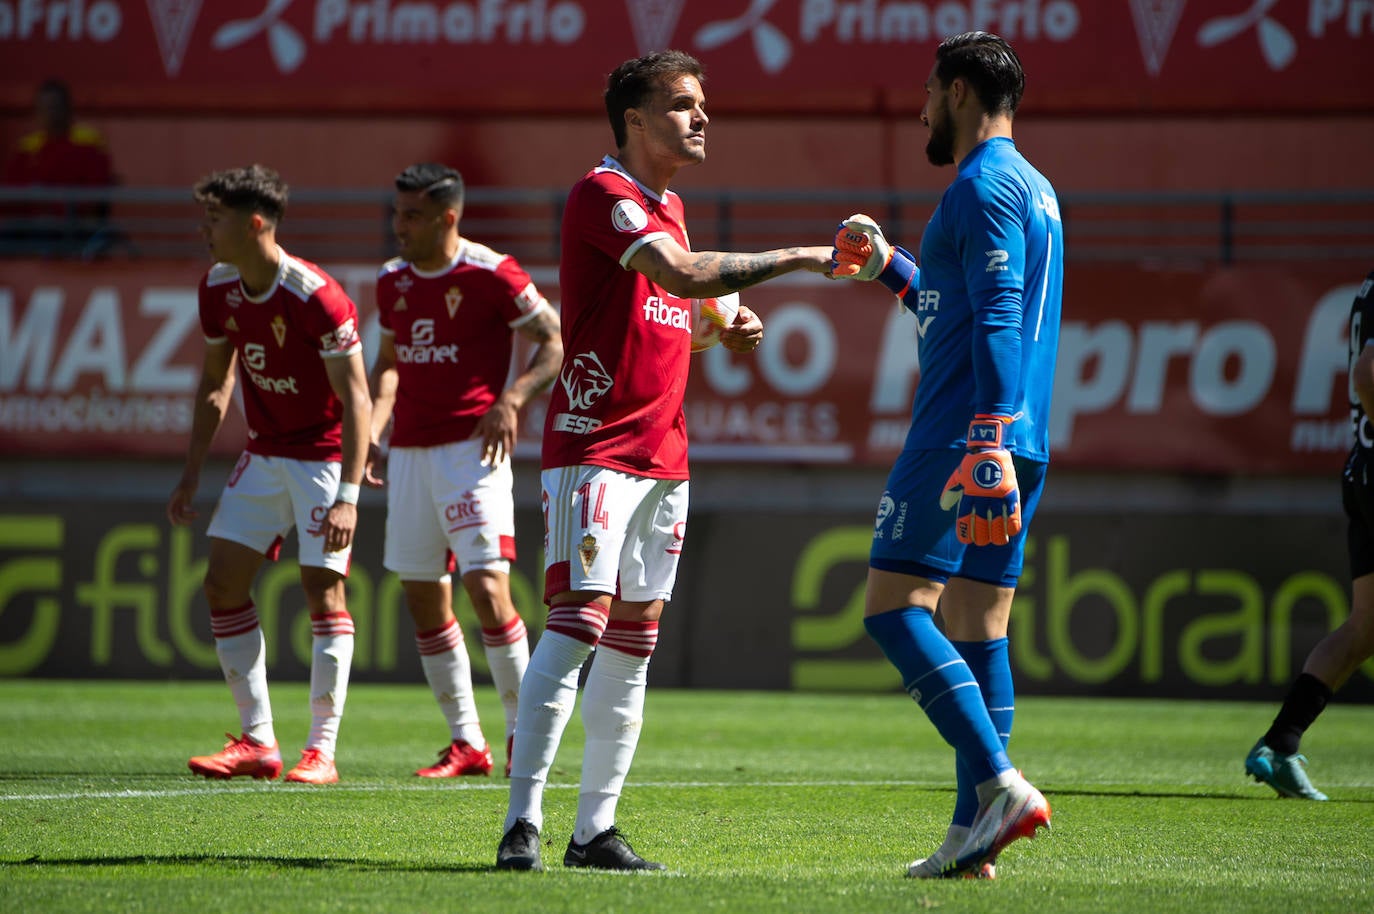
(984, 487)
(860, 252)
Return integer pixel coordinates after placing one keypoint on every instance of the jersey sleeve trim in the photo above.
(534, 312)
(342, 353)
(639, 243)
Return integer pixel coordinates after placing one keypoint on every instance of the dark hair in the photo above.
(988, 64)
(631, 83)
(255, 189)
(439, 183)
(57, 88)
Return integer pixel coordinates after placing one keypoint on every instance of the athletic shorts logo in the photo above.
(629, 216)
(885, 508)
(586, 551)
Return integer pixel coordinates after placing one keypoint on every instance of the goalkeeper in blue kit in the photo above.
(986, 298)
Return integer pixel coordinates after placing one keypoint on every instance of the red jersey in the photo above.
(452, 331)
(77, 158)
(626, 341)
(282, 338)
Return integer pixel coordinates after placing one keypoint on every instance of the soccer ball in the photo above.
(710, 316)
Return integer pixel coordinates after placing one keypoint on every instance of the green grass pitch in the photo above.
(758, 802)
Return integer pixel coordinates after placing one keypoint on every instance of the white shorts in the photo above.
(266, 496)
(611, 532)
(442, 505)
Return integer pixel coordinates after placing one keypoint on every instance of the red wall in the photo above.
(1078, 154)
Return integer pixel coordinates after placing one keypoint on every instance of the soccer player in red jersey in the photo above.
(449, 308)
(615, 448)
(292, 333)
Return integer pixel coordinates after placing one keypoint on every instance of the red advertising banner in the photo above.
(1224, 370)
(782, 56)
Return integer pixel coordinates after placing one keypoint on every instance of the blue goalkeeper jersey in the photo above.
(987, 302)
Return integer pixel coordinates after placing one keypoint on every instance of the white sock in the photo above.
(243, 658)
(613, 714)
(508, 655)
(547, 697)
(330, 662)
(444, 658)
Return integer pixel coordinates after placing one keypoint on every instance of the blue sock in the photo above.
(991, 666)
(939, 680)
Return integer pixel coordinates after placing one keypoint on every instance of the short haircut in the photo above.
(439, 183)
(255, 189)
(59, 90)
(635, 80)
(988, 64)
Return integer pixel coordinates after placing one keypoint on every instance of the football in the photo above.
(710, 316)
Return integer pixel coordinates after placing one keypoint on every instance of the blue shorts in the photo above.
(913, 535)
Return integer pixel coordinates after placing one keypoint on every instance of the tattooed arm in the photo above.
(699, 274)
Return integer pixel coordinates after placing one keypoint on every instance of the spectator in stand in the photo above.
(59, 152)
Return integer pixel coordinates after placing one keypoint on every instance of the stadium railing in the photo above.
(1207, 227)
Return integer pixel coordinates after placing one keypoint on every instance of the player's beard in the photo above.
(940, 146)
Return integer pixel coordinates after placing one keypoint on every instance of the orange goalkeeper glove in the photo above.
(861, 252)
(984, 487)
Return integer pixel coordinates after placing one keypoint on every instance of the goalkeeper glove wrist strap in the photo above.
(985, 431)
(901, 272)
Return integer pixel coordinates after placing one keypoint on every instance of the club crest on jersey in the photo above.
(587, 551)
(279, 330)
(400, 304)
(629, 216)
(585, 380)
(232, 298)
(452, 299)
(404, 282)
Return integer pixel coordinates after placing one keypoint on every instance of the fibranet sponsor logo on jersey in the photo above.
(421, 349)
(658, 310)
(447, 354)
(254, 365)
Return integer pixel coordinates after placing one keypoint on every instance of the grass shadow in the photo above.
(252, 862)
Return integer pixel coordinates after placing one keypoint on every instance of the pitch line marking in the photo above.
(251, 789)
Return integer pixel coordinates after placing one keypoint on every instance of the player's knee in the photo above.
(324, 590)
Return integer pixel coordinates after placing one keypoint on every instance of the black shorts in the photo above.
(1357, 497)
